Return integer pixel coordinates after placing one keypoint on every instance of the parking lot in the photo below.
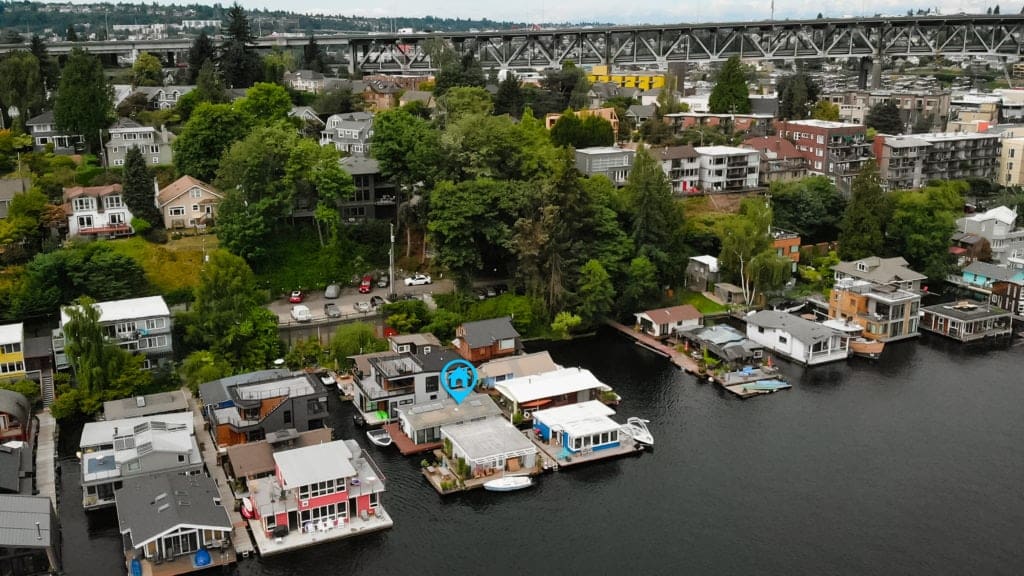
(315, 301)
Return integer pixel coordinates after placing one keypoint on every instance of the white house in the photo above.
(728, 168)
(97, 211)
(141, 325)
(490, 445)
(800, 340)
(550, 389)
(663, 322)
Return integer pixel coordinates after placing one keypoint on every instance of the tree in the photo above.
(266, 103)
(747, 254)
(239, 63)
(825, 110)
(137, 184)
(209, 88)
(27, 388)
(47, 67)
(352, 339)
(21, 84)
(862, 230)
(224, 297)
(452, 73)
(203, 366)
(84, 100)
(564, 323)
(796, 94)
(641, 289)
(730, 94)
(462, 101)
(147, 71)
(480, 146)
(596, 293)
(201, 52)
(276, 63)
(653, 213)
(407, 148)
(338, 101)
(211, 130)
(812, 207)
(921, 224)
(509, 99)
(571, 130)
(569, 86)
(884, 117)
(313, 56)
(131, 106)
(71, 35)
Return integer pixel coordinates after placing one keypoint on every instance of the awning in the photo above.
(956, 250)
(535, 403)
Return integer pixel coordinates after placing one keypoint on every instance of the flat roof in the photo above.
(967, 311)
(724, 150)
(317, 463)
(445, 412)
(291, 387)
(823, 123)
(97, 433)
(11, 333)
(147, 405)
(130, 309)
(490, 438)
(949, 136)
(19, 515)
(580, 419)
(255, 458)
(604, 150)
(519, 365)
(556, 383)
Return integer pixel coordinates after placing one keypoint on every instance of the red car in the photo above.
(296, 297)
(366, 285)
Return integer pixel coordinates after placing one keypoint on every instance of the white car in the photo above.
(417, 280)
(362, 306)
(301, 313)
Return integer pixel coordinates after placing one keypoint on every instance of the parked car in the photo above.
(382, 281)
(332, 291)
(377, 301)
(491, 292)
(366, 285)
(296, 297)
(331, 310)
(417, 280)
(301, 313)
(362, 306)
(481, 294)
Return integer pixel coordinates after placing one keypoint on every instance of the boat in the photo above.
(637, 429)
(859, 345)
(508, 483)
(247, 510)
(379, 436)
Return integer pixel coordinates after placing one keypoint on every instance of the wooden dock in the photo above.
(554, 453)
(405, 444)
(680, 359)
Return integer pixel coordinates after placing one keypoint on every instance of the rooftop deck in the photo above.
(181, 564)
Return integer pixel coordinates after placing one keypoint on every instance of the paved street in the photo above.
(349, 296)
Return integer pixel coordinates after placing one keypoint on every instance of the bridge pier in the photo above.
(876, 73)
(862, 73)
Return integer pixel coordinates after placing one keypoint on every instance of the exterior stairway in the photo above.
(46, 386)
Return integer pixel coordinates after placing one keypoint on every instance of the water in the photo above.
(911, 465)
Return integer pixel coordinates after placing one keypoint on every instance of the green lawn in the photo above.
(170, 266)
(701, 302)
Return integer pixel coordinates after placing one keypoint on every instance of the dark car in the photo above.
(376, 301)
(331, 310)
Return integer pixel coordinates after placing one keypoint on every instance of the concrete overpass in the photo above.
(875, 38)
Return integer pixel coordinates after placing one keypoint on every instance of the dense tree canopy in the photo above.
(147, 70)
(884, 117)
(591, 130)
(730, 94)
(201, 52)
(266, 103)
(797, 93)
(811, 207)
(84, 102)
(747, 256)
(211, 130)
(862, 230)
(22, 84)
(921, 224)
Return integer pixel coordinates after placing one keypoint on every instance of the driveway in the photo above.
(349, 296)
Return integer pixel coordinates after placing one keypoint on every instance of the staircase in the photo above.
(46, 384)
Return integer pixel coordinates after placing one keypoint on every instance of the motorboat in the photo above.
(859, 345)
(508, 483)
(379, 436)
(637, 429)
(247, 510)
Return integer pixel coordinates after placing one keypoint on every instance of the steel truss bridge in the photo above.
(985, 36)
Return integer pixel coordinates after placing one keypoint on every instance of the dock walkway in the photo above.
(46, 453)
(240, 538)
(680, 359)
(405, 444)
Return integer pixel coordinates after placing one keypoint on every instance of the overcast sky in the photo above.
(619, 11)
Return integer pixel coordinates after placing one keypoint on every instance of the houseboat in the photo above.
(582, 432)
(966, 321)
(859, 345)
(798, 339)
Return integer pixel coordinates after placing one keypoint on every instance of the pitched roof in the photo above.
(486, 332)
(710, 261)
(255, 458)
(360, 165)
(15, 404)
(94, 191)
(182, 185)
(803, 330)
(11, 186)
(673, 314)
(150, 506)
(782, 148)
(44, 118)
(674, 152)
(126, 123)
(880, 270)
(519, 365)
(992, 271)
(1000, 213)
(642, 110)
(148, 405)
(19, 518)
(550, 384)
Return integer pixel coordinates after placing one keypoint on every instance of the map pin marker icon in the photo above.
(459, 379)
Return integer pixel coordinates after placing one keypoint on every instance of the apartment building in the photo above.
(910, 162)
(834, 149)
(141, 325)
(999, 227)
(1011, 162)
(350, 133)
(12, 352)
(728, 168)
(681, 164)
(614, 163)
(780, 161)
(915, 106)
(375, 197)
(154, 144)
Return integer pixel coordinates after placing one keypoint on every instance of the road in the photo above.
(349, 296)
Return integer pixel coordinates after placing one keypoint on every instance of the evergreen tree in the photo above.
(464, 72)
(199, 53)
(884, 117)
(209, 85)
(71, 35)
(313, 56)
(509, 99)
(47, 67)
(653, 210)
(730, 95)
(995, 11)
(238, 61)
(137, 187)
(84, 100)
(862, 231)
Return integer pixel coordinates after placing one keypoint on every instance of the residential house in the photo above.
(980, 276)
(154, 144)
(188, 203)
(256, 459)
(414, 343)
(665, 322)
(966, 321)
(786, 245)
(892, 271)
(146, 405)
(12, 352)
(724, 342)
(727, 168)
(173, 524)
(915, 106)
(998, 226)
(247, 407)
(312, 125)
(525, 394)
(304, 81)
(113, 451)
(489, 447)
(578, 428)
(780, 161)
(141, 325)
(375, 197)
(98, 211)
(701, 273)
(909, 162)
(681, 164)
(381, 94)
(833, 149)
(386, 381)
(1009, 295)
(886, 311)
(508, 367)
(30, 537)
(15, 417)
(803, 341)
(485, 340)
(350, 133)
(613, 163)
(44, 131)
(637, 114)
(17, 469)
(9, 188)
(967, 247)
(419, 425)
(608, 114)
(164, 97)
(319, 488)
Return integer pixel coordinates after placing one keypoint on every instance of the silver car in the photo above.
(362, 306)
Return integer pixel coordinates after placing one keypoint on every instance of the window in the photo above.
(195, 207)
(783, 339)
(154, 149)
(113, 202)
(156, 323)
(83, 204)
(119, 162)
(181, 458)
(287, 416)
(85, 221)
(195, 193)
(10, 348)
(507, 344)
(177, 211)
(115, 218)
(10, 367)
(432, 383)
(156, 159)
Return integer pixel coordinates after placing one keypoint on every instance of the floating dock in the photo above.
(752, 381)
(405, 444)
(562, 461)
(680, 359)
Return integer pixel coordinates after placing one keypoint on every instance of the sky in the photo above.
(619, 11)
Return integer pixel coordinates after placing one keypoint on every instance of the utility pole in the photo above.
(391, 258)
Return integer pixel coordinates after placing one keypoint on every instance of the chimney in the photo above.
(39, 532)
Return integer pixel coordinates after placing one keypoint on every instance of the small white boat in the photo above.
(637, 428)
(508, 483)
(247, 509)
(380, 437)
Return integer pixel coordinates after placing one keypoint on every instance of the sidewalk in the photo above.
(46, 451)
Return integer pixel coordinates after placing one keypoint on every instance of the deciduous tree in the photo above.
(921, 224)
(811, 207)
(884, 117)
(147, 71)
(211, 130)
(266, 103)
(22, 84)
(596, 294)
